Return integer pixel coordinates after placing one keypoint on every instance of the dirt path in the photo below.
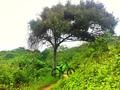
(49, 87)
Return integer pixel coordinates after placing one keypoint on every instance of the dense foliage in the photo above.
(24, 69)
(97, 66)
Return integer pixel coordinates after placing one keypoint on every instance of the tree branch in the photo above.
(50, 42)
(64, 39)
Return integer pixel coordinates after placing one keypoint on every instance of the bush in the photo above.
(8, 56)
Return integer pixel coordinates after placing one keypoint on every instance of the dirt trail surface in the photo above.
(49, 87)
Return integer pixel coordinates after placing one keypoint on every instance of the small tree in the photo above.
(60, 23)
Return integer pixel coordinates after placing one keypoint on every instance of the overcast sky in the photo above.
(15, 15)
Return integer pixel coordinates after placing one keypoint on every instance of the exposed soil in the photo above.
(49, 87)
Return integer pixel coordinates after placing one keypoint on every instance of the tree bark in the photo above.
(54, 60)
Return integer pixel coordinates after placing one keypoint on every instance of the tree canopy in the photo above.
(71, 22)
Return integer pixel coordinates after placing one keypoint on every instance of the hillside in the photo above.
(97, 67)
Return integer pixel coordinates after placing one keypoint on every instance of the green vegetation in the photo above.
(97, 67)
(25, 69)
(96, 64)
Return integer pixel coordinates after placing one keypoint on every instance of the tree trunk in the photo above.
(54, 60)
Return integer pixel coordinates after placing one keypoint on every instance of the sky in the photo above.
(16, 14)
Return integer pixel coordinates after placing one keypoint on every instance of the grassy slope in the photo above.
(97, 68)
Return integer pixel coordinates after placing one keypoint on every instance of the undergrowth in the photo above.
(96, 64)
(97, 67)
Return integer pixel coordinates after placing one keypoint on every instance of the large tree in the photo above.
(71, 22)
